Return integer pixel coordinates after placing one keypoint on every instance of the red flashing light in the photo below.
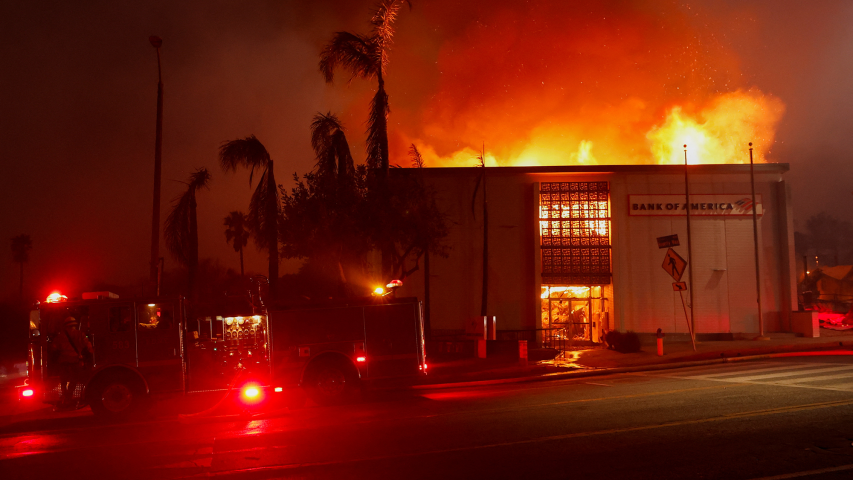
(361, 359)
(251, 394)
(28, 392)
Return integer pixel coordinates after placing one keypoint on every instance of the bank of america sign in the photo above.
(734, 205)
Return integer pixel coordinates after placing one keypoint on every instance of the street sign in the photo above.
(668, 241)
(674, 264)
(679, 286)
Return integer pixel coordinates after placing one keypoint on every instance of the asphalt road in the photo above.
(773, 419)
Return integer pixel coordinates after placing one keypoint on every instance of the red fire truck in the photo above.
(144, 347)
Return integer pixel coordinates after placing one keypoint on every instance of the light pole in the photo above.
(689, 250)
(154, 263)
(755, 245)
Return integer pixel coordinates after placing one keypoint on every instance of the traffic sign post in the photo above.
(674, 266)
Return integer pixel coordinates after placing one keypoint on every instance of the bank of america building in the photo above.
(594, 248)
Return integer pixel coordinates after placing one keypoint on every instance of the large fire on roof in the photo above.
(556, 83)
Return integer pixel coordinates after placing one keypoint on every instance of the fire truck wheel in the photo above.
(330, 382)
(116, 397)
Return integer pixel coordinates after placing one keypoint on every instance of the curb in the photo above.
(597, 372)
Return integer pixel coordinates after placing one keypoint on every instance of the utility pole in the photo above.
(154, 263)
(689, 249)
(755, 245)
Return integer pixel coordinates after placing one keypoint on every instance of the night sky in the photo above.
(79, 86)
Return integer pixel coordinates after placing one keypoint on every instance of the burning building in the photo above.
(587, 249)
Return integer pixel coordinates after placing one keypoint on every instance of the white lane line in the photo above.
(814, 379)
(788, 374)
(808, 473)
(805, 366)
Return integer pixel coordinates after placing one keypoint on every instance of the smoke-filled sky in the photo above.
(538, 82)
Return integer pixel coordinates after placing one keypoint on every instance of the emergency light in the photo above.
(251, 394)
(55, 297)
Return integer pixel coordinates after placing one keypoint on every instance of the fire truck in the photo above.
(144, 347)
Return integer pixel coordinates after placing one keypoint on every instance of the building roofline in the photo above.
(713, 168)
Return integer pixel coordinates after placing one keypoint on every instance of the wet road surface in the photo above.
(785, 418)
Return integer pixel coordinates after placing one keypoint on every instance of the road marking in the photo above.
(599, 384)
(787, 374)
(808, 473)
(752, 370)
(813, 379)
(740, 415)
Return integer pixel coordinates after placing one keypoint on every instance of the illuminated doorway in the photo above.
(573, 313)
(574, 240)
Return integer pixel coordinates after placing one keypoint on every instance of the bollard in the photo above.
(522, 353)
(660, 336)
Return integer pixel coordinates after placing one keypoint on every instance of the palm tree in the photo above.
(481, 178)
(335, 166)
(265, 206)
(366, 56)
(236, 234)
(21, 246)
(181, 229)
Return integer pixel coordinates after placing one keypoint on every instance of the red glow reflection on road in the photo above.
(460, 395)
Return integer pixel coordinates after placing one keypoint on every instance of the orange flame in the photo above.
(579, 83)
(718, 133)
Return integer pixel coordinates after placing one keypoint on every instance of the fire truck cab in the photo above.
(143, 347)
(152, 346)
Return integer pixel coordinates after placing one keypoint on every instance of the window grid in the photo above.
(574, 233)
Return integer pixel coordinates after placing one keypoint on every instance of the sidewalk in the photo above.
(599, 360)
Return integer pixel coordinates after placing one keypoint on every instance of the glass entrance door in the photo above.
(573, 313)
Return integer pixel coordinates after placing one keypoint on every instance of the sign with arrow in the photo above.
(674, 264)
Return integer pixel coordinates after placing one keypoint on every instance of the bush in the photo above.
(628, 342)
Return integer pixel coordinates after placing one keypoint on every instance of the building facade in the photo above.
(577, 247)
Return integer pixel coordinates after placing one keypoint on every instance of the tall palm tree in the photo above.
(265, 206)
(366, 56)
(21, 246)
(236, 234)
(181, 229)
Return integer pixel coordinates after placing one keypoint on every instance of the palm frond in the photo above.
(323, 129)
(199, 179)
(351, 51)
(417, 159)
(177, 227)
(346, 165)
(246, 152)
(260, 222)
(236, 233)
(383, 29)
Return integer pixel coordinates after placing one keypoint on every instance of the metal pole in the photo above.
(689, 250)
(156, 42)
(755, 244)
(687, 318)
